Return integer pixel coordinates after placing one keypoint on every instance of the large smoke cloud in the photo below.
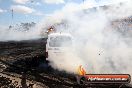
(98, 47)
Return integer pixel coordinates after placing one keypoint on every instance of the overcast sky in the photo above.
(29, 10)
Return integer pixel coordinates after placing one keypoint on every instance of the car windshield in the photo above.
(60, 41)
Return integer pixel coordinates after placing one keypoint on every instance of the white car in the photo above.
(58, 44)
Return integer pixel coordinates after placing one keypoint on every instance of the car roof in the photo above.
(59, 34)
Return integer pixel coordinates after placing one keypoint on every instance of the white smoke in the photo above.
(18, 34)
(98, 47)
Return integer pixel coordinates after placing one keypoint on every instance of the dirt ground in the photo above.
(18, 57)
(19, 67)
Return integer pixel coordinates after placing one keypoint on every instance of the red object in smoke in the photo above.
(51, 29)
